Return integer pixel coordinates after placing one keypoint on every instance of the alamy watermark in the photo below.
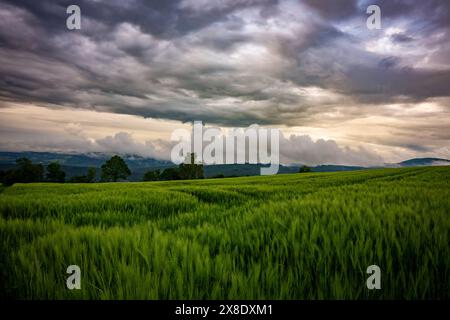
(253, 145)
(74, 280)
(374, 20)
(374, 281)
(73, 21)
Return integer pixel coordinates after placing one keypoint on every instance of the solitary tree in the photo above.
(115, 169)
(54, 173)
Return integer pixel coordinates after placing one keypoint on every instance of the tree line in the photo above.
(187, 170)
(112, 170)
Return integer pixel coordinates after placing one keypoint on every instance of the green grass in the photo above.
(296, 236)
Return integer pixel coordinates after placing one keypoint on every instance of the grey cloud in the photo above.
(389, 85)
(233, 63)
(164, 19)
(402, 38)
(123, 143)
(302, 149)
(130, 62)
(435, 12)
(388, 62)
(295, 149)
(337, 9)
(73, 140)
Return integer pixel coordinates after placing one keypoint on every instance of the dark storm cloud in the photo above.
(385, 84)
(233, 62)
(401, 37)
(336, 10)
(435, 12)
(164, 19)
(388, 62)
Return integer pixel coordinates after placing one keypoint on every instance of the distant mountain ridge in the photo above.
(424, 162)
(80, 160)
(77, 164)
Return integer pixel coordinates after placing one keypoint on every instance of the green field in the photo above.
(293, 236)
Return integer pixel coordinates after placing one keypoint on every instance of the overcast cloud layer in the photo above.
(290, 64)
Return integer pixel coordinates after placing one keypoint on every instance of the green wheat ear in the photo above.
(291, 236)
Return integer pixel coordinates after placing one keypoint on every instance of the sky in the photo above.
(340, 93)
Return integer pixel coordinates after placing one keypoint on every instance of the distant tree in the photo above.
(115, 169)
(152, 175)
(10, 177)
(187, 170)
(24, 172)
(29, 172)
(190, 169)
(218, 176)
(91, 174)
(88, 178)
(54, 173)
(78, 179)
(304, 169)
(170, 174)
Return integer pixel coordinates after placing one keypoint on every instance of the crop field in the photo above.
(292, 236)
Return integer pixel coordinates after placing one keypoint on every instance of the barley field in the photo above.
(292, 236)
